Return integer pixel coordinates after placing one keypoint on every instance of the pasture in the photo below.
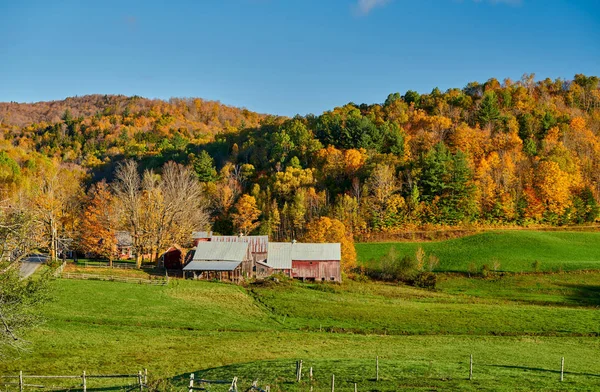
(515, 250)
(423, 338)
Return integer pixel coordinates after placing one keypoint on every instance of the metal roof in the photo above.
(281, 254)
(221, 251)
(211, 265)
(124, 238)
(201, 234)
(258, 243)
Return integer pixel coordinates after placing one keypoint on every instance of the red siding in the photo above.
(317, 270)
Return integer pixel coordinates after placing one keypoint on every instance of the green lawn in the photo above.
(516, 327)
(515, 251)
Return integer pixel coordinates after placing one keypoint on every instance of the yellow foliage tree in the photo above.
(246, 216)
(327, 229)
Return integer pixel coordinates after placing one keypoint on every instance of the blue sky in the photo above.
(287, 56)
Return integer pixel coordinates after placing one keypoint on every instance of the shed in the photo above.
(314, 261)
(221, 260)
(173, 257)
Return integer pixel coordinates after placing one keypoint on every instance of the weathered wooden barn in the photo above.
(221, 260)
(318, 262)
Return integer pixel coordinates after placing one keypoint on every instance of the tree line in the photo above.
(496, 153)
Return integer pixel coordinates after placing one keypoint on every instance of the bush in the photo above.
(472, 268)
(427, 280)
(485, 271)
(536, 265)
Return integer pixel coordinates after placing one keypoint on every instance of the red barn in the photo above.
(173, 257)
(318, 262)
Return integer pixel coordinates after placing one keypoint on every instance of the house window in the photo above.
(332, 278)
(311, 262)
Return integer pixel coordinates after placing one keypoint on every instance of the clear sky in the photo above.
(287, 56)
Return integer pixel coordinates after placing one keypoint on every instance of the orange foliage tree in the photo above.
(98, 228)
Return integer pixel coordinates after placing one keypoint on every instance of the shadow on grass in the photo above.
(585, 295)
(535, 369)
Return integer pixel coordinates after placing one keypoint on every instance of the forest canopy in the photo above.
(495, 153)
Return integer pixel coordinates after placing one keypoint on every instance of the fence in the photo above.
(201, 387)
(140, 383)
(106, 264)
(112, 278)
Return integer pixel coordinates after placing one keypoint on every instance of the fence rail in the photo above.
(141, 383)
(112, 278)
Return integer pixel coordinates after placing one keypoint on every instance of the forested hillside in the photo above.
(514, 153)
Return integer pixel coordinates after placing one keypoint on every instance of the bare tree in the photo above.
(128, 194)
(160, 210)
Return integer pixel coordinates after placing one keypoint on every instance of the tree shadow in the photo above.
(537, 369)
(583, 294)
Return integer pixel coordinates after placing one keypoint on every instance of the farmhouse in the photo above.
(124, 244)
(220, 260)
(318, 262)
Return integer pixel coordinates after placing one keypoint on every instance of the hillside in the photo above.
(515, 153)
(514, 251)
(423, 338)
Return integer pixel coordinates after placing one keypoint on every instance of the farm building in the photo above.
(173, 258)
(318, 262)
(201, 236)
(124, 244)
(221, 260)
(258, 243)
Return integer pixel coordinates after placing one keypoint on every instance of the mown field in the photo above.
(515, 251)
(517, 327)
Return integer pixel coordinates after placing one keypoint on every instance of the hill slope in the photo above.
(515, 250)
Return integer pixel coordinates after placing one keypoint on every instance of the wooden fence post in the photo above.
(471, 368)
(20, 380)
(355, 387)
(377, 368)
(191, 386)
(140, 380)
(145, 376)
(562, 368)
(299, 371)
(310, 373)
(333, 383)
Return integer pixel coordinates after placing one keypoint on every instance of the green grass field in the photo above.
(515, 250)
(516, 327)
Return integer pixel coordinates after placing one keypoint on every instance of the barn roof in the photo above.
(201, 234)
(281, 254)
(211, 265)
(221, 251)
(258, 243)
(316, 252)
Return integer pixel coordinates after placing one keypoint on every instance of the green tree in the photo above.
(489, 111)
(204, 167)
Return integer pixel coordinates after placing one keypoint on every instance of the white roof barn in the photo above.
(218, 256)
(281, 254)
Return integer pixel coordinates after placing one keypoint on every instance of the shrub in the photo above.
(472, 268)
(536, 265)
(485, 271)
(495, 264)
(432, 262)
(427, 280)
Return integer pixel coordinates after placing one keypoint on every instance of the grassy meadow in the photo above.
(516, 326)
(515, 250)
